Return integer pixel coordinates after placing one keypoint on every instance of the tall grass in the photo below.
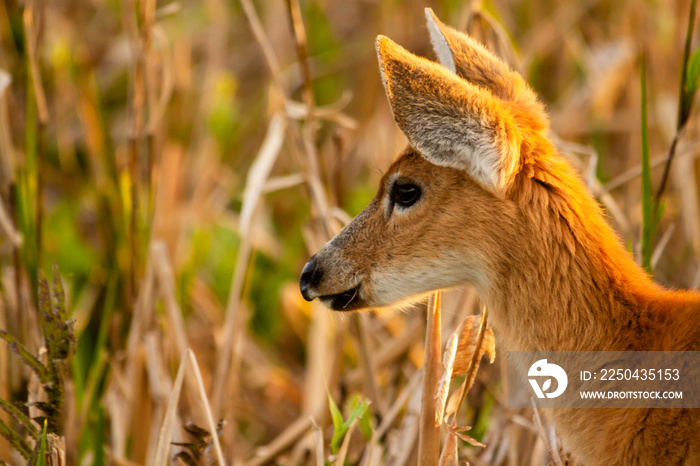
(649, 213)
(179, 162)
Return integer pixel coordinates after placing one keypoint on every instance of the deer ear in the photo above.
(472, 61)
(451, 122)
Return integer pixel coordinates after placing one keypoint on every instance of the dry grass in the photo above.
(180, 162)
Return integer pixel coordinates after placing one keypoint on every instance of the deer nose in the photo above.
(310, 276)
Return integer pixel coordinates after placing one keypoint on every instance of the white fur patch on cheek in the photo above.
(405, 281)
(391, 288)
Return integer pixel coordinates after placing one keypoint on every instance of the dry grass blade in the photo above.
(447, 364)
(343, 452)
(661, 246)
(319, 361)
(123, 393)
(150, 63)
(689, 151)
(320, 455)
(264, 43)
(400, 445)
(160, 385)
(7, 157)
(143, 309)
(688, 191)
(306, 136)
(475, 339)
(166, 429)
(207, 410)
(11, 233)
(166, 282)
(161, 105)
(551, 449)
(367, 364)
(259, 171)
(486, 346)
(398, 405)
(299, 111)
(254, 188)
(458, 432)
(291, 434)
(429, 436)
(300, 37)
(32, 36)
(472, 336)
(372, 454)
(393, 348)
(449, 456)
(279, 183)
(5, 81)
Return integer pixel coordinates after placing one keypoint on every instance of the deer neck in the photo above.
(566, 283)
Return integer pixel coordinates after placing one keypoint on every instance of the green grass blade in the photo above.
(692, 78)
(41, 459)
(360, 408)
(648, 223)
(686, 95)
(358, 411)
(339, 428)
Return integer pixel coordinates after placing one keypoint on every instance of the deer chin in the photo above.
(350, 300)
(355, 300)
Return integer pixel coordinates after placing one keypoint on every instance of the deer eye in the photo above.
(405, 194)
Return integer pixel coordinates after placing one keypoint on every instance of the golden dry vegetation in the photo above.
(180, 160)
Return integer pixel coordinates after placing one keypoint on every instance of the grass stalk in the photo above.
(343, 452)
(7, 150)
(33, 29)
(648, 210)
(302, 54)
(16, 440)
(367, 365)
(265, 454)
(207, 409)
(20, 417)
(41, 454)
(429, 434)
(165, 434)
(471, 372)
(27, 357)
(132, 15)
(262, 39)
(684, 105)
(234, 321)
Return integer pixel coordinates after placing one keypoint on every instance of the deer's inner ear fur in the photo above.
(440, 44)
(450, 121)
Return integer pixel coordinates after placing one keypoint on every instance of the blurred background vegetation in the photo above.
(162, 154)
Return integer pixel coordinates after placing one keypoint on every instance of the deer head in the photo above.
(444, 214)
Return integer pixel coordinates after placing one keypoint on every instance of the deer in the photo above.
(482, 196)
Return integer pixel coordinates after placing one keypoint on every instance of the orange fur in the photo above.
(502, 210)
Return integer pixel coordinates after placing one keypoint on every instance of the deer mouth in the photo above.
(346, 301)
